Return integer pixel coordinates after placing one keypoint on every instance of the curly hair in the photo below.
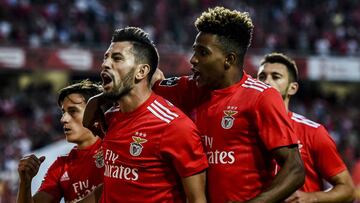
(143, 48)
(285, 60)
(85, 87)
(233, 28)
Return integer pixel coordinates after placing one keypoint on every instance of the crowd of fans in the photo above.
(31, 116)
(29, 120)
(315, 27)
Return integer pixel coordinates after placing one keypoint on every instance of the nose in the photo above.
(268, 80)
(193, 60)
(64, 118)
(105, 64)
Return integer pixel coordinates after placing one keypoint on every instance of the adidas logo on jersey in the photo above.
(65, 177)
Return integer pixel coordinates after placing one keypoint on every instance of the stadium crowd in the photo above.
(31, 116)
(321, 27)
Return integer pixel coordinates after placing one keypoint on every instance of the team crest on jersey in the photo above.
(227, 120)
(136, 147)
(99, 158)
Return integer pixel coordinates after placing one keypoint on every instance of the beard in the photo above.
(121, 88)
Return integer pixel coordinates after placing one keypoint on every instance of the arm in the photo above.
(330, 167)
(94, 196)
(290, 177)
(157, 76)
(342, 191)
(28, 167)
(194, 187)
(94, 118)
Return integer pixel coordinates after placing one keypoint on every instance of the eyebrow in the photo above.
(113, 54)
(70, 108)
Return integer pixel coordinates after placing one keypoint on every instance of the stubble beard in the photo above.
(122, 88)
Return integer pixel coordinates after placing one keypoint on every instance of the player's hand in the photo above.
(93, 118)
(158, 75)
(301, 197)
(28, 167)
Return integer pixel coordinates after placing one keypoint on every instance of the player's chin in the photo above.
(70, 137)
(107, 88)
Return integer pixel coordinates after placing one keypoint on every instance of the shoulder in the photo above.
(303, 121)
(254, 85)
(164, 111)
(256, 90)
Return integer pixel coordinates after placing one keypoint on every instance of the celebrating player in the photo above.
(317, 149)
(152, 151)
(243, 122)
(78, 173)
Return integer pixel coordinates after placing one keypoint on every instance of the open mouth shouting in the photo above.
(106, 80)
(196, 74)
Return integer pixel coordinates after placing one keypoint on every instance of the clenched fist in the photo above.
(29, 167)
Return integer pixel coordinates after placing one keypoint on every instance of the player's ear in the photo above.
(142, 71)
(230, 60)
(293, 88)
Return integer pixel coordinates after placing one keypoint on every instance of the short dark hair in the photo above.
(85, 87)
(285, 60)
(233, 28)
(144, 49)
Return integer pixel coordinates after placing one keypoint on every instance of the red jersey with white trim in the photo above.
(240, 125)
(148, 151)
(75, 175)
(318, 152)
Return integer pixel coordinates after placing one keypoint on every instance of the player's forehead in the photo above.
(273, 68)
(206, 40)
(123, 47)
(73, 100)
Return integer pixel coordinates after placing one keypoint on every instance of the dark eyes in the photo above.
(261, 77)
(70, 111)
(276, 77)
(201, 52)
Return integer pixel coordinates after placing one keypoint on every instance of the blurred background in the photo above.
(45, 45)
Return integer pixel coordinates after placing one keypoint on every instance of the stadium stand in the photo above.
(39, 37)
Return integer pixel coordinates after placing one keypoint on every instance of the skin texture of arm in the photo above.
(194, 187)
(94, 197)
(27, 169)
(94, 118)
(342, 191)
(290, 177)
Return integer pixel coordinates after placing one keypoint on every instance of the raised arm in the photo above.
(28, 168)
(94, 118)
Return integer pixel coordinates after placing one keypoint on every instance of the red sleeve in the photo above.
(182, 92)
(273, 123)
(181, 143)
(51, 181)
(326, 156)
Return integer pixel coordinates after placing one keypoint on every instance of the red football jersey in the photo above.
(75, 175)
(239, 124)
(318, 152)
(148, 151)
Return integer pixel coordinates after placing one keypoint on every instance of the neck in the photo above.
(286, 103)
(232, 76)
(136, 97)
(92, 139)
